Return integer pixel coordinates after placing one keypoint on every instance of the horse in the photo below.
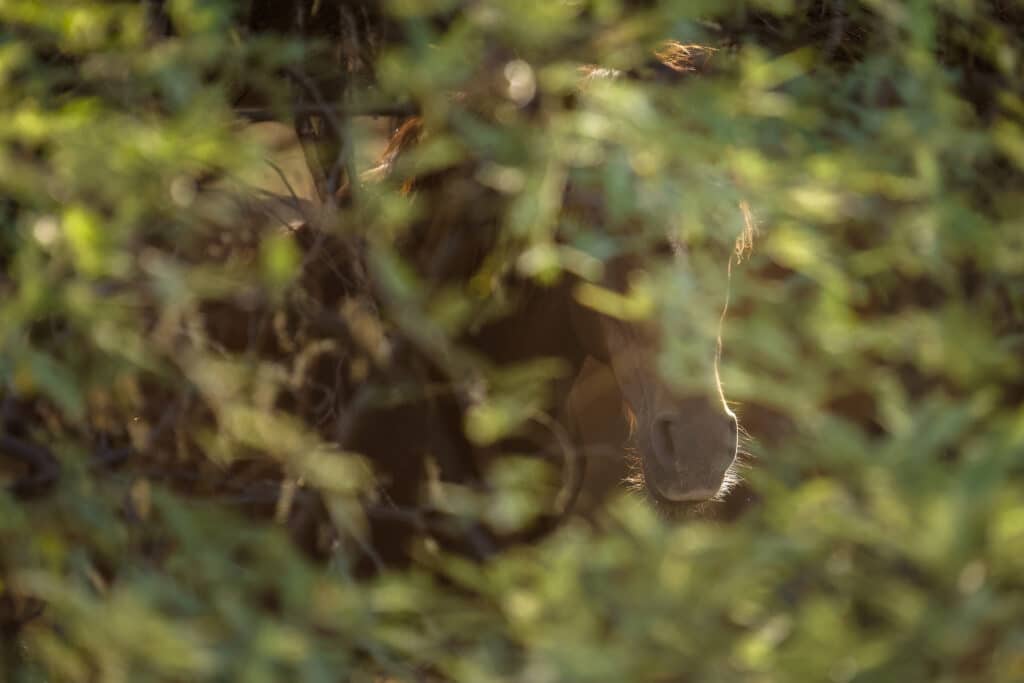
(686, 444)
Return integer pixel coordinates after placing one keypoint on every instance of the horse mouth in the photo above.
(675, 494)
(672, 498)
(666, 508)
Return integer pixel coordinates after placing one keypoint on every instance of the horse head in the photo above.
(686, 440)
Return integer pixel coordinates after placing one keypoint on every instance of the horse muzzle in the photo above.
(691, 448)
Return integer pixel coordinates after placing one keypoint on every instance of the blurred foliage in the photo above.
(160, 478)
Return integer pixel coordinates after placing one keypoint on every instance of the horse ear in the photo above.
(407, 136)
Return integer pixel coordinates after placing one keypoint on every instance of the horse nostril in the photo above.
(664, 442)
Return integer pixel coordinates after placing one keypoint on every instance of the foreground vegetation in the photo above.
(164, 517)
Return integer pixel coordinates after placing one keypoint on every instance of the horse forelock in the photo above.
(671, 55)
(592, 72)
(684, 58)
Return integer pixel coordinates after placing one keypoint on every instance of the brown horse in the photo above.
(686, 442)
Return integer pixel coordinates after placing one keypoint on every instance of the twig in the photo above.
(258, 114)
(338, 122)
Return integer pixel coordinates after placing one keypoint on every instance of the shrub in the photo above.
(178, 502)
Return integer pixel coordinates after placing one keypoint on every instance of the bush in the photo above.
(183, 413)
